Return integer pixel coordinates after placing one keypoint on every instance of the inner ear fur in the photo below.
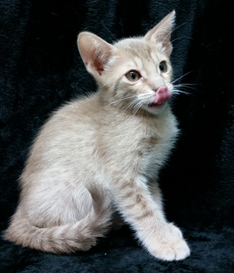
(95, 52)
(161, 33)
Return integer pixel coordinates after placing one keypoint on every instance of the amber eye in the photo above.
(163, 66)
(133, 76)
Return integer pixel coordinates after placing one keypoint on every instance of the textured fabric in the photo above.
(40, 69)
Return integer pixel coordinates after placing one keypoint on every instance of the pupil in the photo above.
(133, 75)
(161, 67)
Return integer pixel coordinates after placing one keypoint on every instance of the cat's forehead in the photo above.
(135, 46)
(139, 50)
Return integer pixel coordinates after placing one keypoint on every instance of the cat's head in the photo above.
(135, 73)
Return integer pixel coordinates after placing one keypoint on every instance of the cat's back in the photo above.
(67, 135)
(77, 117)
(80, 112)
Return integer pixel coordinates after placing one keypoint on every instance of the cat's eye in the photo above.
(163, 66)
(133, 76)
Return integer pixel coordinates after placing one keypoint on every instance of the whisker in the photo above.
(181, 77)
(137, 107)
(145, 97)
(134, 102)
(125, 98)
(181, 37)
(176, 91)
(109, 31)
(178, 27)
(185, 85)
(171, 33)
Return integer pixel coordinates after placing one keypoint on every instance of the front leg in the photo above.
(135, 202)
(157, 197)
(156, 193)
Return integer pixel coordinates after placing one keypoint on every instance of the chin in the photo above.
(156, 108)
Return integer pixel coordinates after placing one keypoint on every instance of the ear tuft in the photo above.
(161, 33)
(95, 52)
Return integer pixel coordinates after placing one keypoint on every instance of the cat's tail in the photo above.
(65, 238)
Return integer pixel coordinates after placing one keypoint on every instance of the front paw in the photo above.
(174, 230)
(170, 245)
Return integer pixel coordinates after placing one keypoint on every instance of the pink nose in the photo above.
(162, 95)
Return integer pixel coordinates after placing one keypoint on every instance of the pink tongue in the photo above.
(162, 95)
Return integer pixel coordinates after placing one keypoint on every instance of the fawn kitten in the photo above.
(102, 153)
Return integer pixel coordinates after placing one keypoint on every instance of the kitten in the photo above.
(102, 153)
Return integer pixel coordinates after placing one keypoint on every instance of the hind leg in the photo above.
(48, 208)
(61, 225)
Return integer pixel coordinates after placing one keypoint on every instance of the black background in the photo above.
(40, 69)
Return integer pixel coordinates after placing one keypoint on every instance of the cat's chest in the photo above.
(136, 144)
(155, 146)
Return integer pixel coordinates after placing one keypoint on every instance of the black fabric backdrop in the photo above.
(40, 69)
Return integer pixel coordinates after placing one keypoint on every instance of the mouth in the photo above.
(162, 95)
(156, 105)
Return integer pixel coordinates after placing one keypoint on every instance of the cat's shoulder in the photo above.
(78, 113)
(80, 107)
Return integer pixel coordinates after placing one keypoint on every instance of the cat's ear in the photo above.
(95, 52)
(161, 33)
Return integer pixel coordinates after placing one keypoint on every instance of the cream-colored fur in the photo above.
(102, 154)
